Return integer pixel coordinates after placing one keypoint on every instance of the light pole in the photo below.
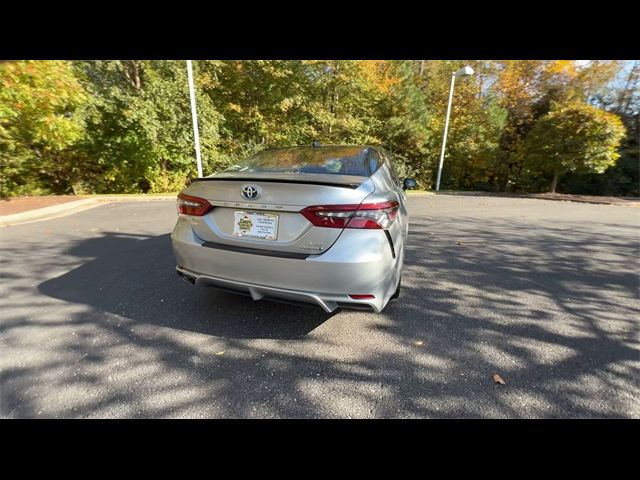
(194, 117)
(463, 72)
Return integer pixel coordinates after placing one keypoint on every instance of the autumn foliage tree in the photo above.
(573, 137)
(125, 125)
(42, 107)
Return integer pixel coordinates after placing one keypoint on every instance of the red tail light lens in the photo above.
(194, 206)
(361, 297)
(368, 215)
(330, 216)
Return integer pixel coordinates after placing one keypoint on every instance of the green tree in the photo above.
(42, 107)
(345, 95)
(125, 126)
(573, 137)
(263, 102)
(527, 89)
(288, 102)
(476, 126)
(140, 131)
(406, 130)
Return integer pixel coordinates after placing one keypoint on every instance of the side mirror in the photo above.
(409, 183)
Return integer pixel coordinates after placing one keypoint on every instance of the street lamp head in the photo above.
(464, 72)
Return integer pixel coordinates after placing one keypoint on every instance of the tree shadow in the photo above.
(134, 276)
(552, 309)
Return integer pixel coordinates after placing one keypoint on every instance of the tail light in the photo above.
(195, 206)
(357, 296)
(367, 215)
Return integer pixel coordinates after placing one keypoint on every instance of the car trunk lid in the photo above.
(271, 221)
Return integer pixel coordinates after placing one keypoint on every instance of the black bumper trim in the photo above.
(393, 250)
(256, 251)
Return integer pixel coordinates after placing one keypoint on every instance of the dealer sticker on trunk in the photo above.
(256, 225)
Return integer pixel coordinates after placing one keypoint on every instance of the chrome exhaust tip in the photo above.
(186, 278)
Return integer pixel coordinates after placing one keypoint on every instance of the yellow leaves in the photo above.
(562, 67)
(234, 107)
(517, 82)
(286, 104)
(378, 74)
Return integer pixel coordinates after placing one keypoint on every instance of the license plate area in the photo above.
(263, 226)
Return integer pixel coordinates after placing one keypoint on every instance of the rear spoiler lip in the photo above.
(275, 180)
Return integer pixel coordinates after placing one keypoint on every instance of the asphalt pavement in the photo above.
(94, 322)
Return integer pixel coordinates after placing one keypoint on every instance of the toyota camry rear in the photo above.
(323, 225)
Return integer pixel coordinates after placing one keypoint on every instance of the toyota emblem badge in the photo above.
(250, 192)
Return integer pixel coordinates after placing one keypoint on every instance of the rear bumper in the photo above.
(259, 292)
(360, 262)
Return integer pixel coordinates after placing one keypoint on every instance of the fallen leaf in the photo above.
(94, 229)
(498, 379)
(418, 343)
(220, 353)
(459, 243)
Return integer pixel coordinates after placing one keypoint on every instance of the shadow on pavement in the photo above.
(552, 309)
(134, 277)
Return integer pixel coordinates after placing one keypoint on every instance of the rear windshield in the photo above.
(336, 160)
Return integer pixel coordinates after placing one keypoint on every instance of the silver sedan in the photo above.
(325, 225)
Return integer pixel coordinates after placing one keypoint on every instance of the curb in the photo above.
(68, 208)
(577, 199)
(632, 203)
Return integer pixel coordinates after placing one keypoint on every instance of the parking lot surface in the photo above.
(95, 323)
